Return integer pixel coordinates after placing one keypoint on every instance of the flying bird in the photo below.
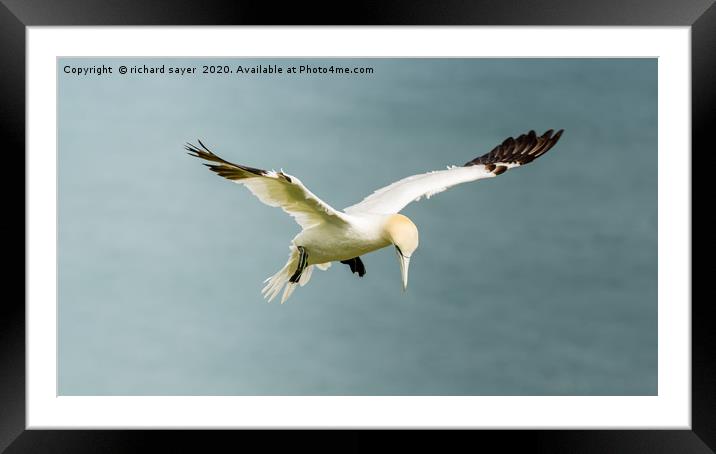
(330, 235)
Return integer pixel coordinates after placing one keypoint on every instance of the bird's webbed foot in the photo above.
(302, 262)
(356, 265)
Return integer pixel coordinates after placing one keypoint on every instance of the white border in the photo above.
(670, 409)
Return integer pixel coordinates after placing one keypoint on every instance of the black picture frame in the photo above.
(16, 15)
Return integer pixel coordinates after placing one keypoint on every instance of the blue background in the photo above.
(540, 282)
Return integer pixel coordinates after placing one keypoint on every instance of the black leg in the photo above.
(351, 263)
(302, 260)
(356, 265)
(360, 267)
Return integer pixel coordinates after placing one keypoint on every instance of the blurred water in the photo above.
(540, 282)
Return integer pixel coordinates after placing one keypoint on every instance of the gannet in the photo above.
(329, 235)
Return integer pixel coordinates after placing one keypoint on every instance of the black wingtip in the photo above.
(202, 145)
(201, 153)
(523, 150)
(191, 148)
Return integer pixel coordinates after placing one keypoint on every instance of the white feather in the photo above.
(394, 197)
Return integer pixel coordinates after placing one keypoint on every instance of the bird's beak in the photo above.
(404, 265)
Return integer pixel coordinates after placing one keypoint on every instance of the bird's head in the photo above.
(403, 234)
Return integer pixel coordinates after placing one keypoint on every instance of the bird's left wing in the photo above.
(509, 154)
(276, 189)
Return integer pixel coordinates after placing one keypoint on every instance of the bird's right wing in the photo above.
(276, 189)
(511, 153)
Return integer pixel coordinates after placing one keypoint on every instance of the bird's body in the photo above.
(361, 234)
(329, 235)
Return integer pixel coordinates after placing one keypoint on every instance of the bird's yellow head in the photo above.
(404, 235)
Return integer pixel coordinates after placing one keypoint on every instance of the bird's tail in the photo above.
(280, 280)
